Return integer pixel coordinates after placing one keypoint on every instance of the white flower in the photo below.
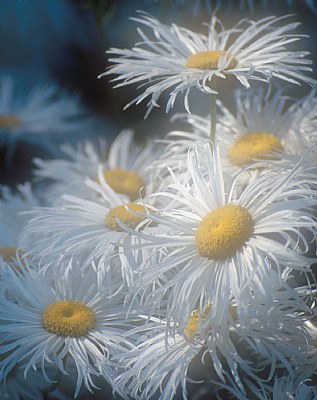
(218, 245)
(286, 389)
(91, 230)
(268, 336)
(68, 176)
(265, 132)
(264, 126)
(259, 127)
(156, 359)
(11, 221)
(306, 119)
(177, 59)
(43, 111)
(60, 320)
(281, 388)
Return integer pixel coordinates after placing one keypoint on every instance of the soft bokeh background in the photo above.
(65, 41)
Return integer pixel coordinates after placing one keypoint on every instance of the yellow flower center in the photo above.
(123, 214)
(68, 318)
(7, 253)
(194, 322)
(233, 312)
(125, 182)
(223, 231)
(9, 121)
(254, 146)
(209, 60)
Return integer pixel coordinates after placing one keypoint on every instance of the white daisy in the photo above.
(220, 245)
(271, 340)
(11, 221)
(302, 139)
(161, 363)
(91, 230)
(260, 126)
(43, 111)
(264, 133)
(286, 389)
(177, 59)
(306, 119)
(281, 388)
(124, 159)
(155, 360)
(68, 175)
(263, 127)
(60, 320)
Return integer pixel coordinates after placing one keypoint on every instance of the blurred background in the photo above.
(65, 42)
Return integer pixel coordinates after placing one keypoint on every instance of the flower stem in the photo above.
(213, 116)
(55, 384)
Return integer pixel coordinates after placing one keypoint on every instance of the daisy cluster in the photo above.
(180, 266)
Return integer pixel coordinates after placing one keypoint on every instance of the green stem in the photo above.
(164, 8)
(213, 117)
(57, 380)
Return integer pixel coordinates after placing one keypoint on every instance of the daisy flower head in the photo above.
(43, 111)
(124, 163)
(122, 176)
(11, 219)
(127, 168)
(66, 322)
(262, 128)
(157, 359)
(176, 59)
(266, 131)
(220, 245)
(68, 175)
(162, 362)
(288, 389)
(91, 230)
(306, 118)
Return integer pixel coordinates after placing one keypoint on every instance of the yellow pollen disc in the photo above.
(194, 322)
(8, 121)
(233, 312)
(125, 182)
(68, 318)
(123, 214)
(223, 231)
(254, 146)
(10, 252)
(209, 60)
